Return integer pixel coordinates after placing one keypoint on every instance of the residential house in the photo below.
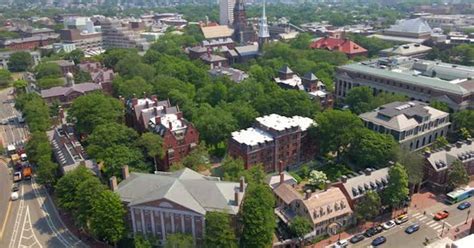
(413, 124)
(272, 139)
(355, 186)
(328, 210)
(67, 150)
(165, 203)
(99, 75)
(439, 161)
(180, 136)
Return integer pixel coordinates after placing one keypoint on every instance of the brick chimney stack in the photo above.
(113, 183)
(241, 184)
(308, 194)
(125, 172)
(236, 198)
(282, 177)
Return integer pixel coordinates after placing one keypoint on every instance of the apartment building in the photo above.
(413, 125)
(439, 161)
(116, 35)
(226, 12)
(422, 80)
(272, 139)
(180, 137)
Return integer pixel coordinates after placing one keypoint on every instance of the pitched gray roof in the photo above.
(310, 76)
(358, 185)
(186, 187)
(442, 159)
(285, 69)
(63, 90)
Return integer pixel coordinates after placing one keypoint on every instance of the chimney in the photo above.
(282, 177)
(155, 111)
(113, 183)
(280, 166)
(236, 198)
(170, 124)
(344, 179)
(469, 141)
(241, 184)
(134, 101)
(164, 109)
(308, 194)
(448, 147)
(125, 173)
(154, 98)
(61, 114)
(179, 115)
(327, 184)
(368, 171)
(427, 154)
(147, 105)
(459, 144)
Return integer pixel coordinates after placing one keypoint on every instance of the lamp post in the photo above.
(468, 212)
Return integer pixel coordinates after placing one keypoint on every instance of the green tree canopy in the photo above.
(67, 188)
(232, 169)
(47, 170)
(38, 146)
(5, 78)
(87, 192)
(457, 175)
(48, 70)
(75, 55)
(257, 217)
(47, 82)
(91, 110)
(360, 99)
(397, 190)
(219, 232)
(152, 144)
(336, 130)
(369, 207)
(107, 217)
(179, 240)
(464, 119)
(135, 86)
(300, 226)
(440, 106)
(370, 148)
(20, 61)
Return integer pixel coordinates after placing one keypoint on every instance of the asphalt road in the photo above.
(429, 228)
(13, 132)
(32, 220)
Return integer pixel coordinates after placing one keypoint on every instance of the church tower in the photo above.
(243, 33)
(263, 34)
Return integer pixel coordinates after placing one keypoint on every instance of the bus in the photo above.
(459, 195)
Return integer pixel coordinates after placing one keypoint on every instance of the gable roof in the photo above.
(287, 193)
(360, 184)
(185, 187)
(342, 45)
(441, 159)
(64, 90)
(326, 205)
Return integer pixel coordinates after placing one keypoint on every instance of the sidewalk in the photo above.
(459, 231)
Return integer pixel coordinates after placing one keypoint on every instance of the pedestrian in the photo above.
(424, 212)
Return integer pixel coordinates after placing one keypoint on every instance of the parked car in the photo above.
(372, 231)
(14, 196)
(401, 219)
(378, 241)
(464, 205)
(15, 187)
(357, 238)
(441, 215)
(389, 224)
(413, 228)
(4, 121)
(342, 243)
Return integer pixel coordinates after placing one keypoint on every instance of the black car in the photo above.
(372, 231)
(15, 187)
(413, 228)
(378, 241)
(464, 205)
(357, 238)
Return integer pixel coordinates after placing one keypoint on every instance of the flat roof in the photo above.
(251, 136)
(409, 77)
(280, 123)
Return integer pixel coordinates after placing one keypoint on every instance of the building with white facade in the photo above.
(226, 12)
(412, 124)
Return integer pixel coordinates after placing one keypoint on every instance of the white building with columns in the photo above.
(175, 202)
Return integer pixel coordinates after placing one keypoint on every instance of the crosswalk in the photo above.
(428, 221)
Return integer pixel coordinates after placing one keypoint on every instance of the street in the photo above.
(32, 220)
(429, 228)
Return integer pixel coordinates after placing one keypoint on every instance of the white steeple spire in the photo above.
(263, 26)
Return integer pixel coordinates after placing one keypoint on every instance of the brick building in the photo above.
(346, 46)
(438, 162)
(165, 203)
(99, 75)
(179, 135)
(29, 43)
(273, 138)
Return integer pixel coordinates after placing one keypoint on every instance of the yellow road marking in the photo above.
(6, 219)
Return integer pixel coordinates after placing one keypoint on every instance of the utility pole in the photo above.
(468, 212)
